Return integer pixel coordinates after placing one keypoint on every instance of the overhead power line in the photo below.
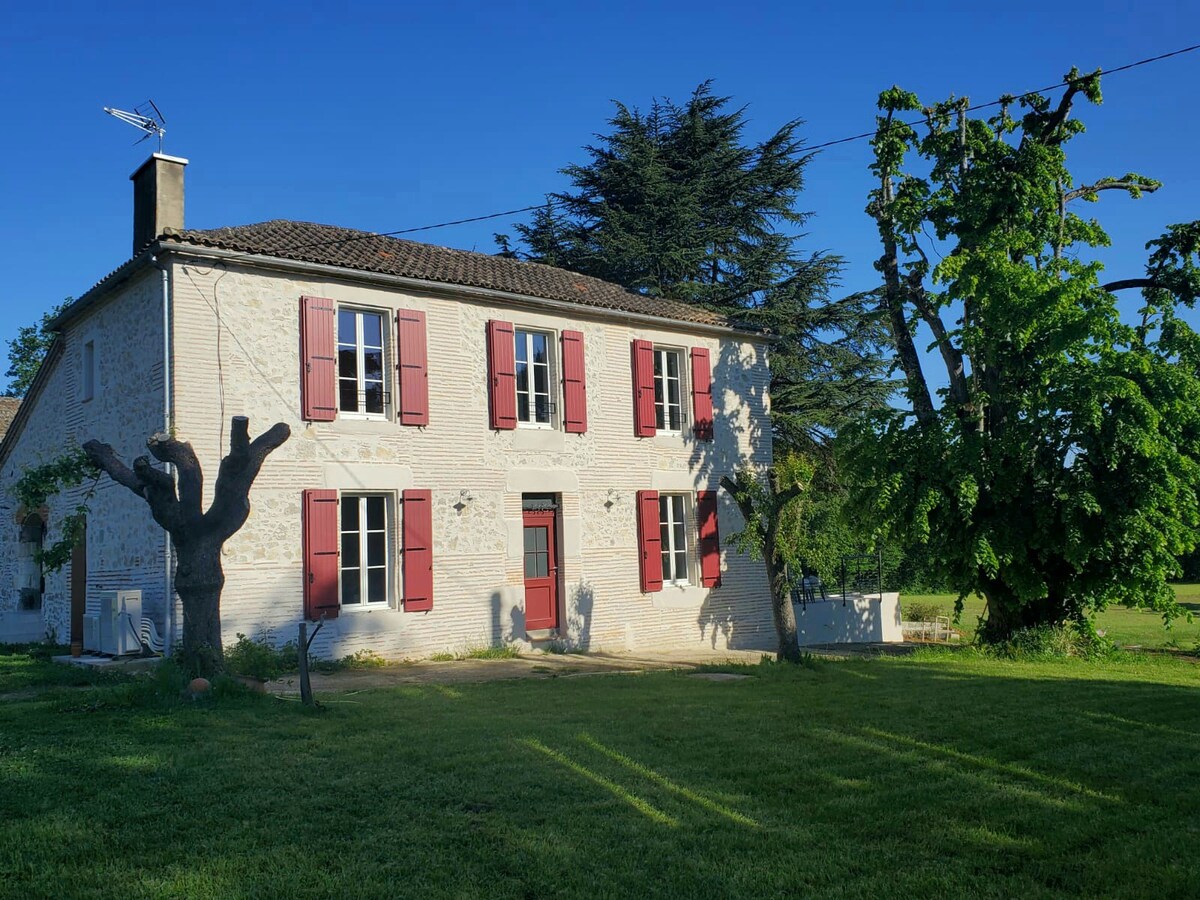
(809, 148)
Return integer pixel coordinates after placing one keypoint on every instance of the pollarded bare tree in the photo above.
(197, 535)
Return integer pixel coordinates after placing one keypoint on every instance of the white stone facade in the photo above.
(125, 548)
(236, 351)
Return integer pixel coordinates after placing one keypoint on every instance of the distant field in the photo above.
(1128, 627)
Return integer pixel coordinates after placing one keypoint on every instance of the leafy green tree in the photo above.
(1058, 470)
(675, 203)
(27, 350)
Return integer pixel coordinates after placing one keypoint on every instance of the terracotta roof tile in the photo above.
(368, 252)
(8, 412)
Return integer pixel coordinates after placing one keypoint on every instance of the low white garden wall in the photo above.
(865, 618)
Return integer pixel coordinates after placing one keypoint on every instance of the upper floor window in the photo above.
(673, 531)
(363, 561)
(87, 380)
(668, 389)
(535, 406)
(360, 363)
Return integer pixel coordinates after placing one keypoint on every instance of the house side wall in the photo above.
(237, 352)
(124, 546)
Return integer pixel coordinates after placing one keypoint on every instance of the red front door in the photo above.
(541, 570)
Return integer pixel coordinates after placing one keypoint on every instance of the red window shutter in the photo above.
(649, 541)
(574, 383)
(502, 374)
(644, 424)
(412, 363)
(320, 510)
(702, 405)
(418, 550)
(318, 388)
(710, 538)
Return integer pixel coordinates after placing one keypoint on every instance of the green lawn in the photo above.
(1128, 627)
(945, 774)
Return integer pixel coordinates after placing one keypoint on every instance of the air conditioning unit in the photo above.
(116, 628)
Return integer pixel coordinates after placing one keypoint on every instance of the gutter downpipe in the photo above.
(168, 580)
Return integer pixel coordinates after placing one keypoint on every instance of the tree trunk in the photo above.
(781, 608)
(1005, 616)
(199, 579)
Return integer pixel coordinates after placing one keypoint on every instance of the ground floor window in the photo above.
(671, 520)
(364, 560)
(31, 582)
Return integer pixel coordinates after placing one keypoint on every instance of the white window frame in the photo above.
(361, 374)
(389, 549)
(87, 379)
(551, 394)
(669, 548)
(660, 363)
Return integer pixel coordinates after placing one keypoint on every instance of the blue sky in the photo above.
(383, 116)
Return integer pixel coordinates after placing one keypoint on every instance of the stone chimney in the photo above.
(157, 198)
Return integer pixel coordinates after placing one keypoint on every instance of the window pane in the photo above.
(658, 365)
(375, 513)
(350, 587)
(541, 379)
(376, 548)
(347, 362)
(664, 536)
(680, 566)
(680, 540)
(346, 327)
(672, 364)
(373, 365)
(349, 513)
(522, 376)
(348, 395)
(542, 409)
(522, 346)
(673, 391)
(523, 407)
(676, 419)
(663, 512)
(350, 550)
(667, 574)
(373, 397)
(539, 348)
(372, 330)
(677, 507)
(377, 586)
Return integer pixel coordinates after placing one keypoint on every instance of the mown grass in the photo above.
(1126, 627)
(945, 774)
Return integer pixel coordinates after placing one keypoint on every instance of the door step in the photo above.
(541, 634)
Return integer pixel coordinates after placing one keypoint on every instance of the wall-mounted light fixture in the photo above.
(614, 497)
(464, 497)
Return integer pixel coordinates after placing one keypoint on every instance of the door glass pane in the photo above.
(375, 513)
(543, 565)
(531, 565)
(376, 542)
(349, 513)
(377, 586)
(541, 538)
(351, 589)
(350, 550)
(530, 540)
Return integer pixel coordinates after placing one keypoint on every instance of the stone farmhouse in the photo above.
(483, 450)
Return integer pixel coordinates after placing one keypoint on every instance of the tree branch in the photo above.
(1113, 184)
(105, 458)
(180, 454)
(1127, 283)
(231, 491)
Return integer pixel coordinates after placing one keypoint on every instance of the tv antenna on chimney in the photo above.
(145, 117)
